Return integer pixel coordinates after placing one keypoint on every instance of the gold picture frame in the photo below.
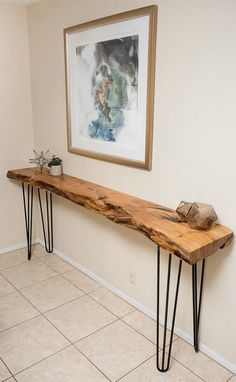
(135, 29)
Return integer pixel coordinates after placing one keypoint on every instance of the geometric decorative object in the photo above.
(41, 159)
(110, 83)
(197, 215)
(183, 209)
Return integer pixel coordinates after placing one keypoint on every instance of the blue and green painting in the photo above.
(107, 87)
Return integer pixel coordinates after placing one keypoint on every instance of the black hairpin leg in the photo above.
(163, 365)
(197, 303)
(48, 239)
(28, 211)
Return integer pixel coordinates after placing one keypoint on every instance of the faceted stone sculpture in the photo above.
(182, 210)
(197, 215)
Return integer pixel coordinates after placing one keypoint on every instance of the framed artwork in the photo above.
(110, 82)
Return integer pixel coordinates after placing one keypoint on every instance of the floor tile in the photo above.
(199, 363)
(69, 365)
(5, 286)
(4, 372)
(56, 263)
(148, 372)
(29, 342)
(51, 259)
(11, 259)
(28, 273)
(51, 293)
(15, 309)
(82, 281)
(79, 318)
(116, 349)
(113, 303)
(147, 327)
(38, 250)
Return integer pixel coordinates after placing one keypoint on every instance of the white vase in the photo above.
(56, 170)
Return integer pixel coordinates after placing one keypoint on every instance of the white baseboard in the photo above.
(15, 247)
(180, 333)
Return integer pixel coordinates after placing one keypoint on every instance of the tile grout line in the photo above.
(136, 367)
(92, 363)
(61, 305)
(28, 319)
(71, 343)
(118, 318)
(23, 262)
(186, 367)
(86, 294)
(7, 294)
(51, 277)
(154, 343)
(19, 323)
(121, 318)
(40, 314)
(100, 287)
(12, 266)
(39, 282)
(43, 313)
(98, 302)
(11, 375)
(205, 355)
(228, 380)
(96, 331)
(192, 371)
(42, 360)
(89, 293)
(30, 285)
(62, 274)
(155, 357)
(15, 265)
(135, 309)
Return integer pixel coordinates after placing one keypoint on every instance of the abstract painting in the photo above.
(109, 94)
(111, 72)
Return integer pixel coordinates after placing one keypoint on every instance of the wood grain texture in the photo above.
(159, 224)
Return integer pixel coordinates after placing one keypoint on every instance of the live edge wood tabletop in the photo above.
(160, 224)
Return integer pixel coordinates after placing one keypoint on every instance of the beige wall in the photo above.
(194, 149)
(16, 133)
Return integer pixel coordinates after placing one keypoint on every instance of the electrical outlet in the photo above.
(132, 277)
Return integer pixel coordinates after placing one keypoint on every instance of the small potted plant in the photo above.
(55, 166)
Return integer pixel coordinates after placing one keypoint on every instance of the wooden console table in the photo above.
(159, 224)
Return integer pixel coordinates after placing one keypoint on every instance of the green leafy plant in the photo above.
(54, 161)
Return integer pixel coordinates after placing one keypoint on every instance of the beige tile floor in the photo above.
(58, 325)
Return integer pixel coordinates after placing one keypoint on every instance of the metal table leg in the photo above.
(197, 303)
(161, 365)
(48, 238)
(28, 212)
